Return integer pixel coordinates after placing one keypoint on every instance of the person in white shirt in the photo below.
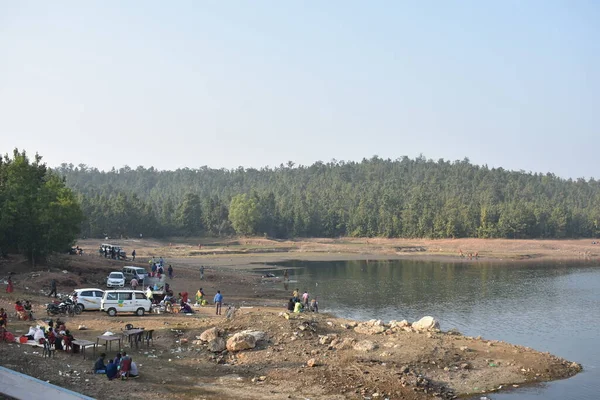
(133, 372)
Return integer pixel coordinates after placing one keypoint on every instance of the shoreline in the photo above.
(347, 360)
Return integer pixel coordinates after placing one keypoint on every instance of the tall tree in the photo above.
(38, 213)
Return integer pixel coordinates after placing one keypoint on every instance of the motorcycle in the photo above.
(63, 307)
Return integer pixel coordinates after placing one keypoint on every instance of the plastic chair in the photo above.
(49, 349)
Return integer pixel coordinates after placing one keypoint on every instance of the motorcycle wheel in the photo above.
(77, 310)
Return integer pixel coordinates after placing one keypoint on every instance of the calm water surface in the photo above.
(551, 307)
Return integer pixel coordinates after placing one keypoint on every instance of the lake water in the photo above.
(549, 307)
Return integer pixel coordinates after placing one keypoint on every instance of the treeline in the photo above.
(375, 197)
(38, 213)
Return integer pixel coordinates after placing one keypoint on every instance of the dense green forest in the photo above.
(375, 197)
(38, 213)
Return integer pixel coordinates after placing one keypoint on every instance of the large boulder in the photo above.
(365, 345)
(241, 341)
(216, 345)
(210, 334)
(426, 324)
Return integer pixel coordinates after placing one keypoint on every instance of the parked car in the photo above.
(89, 298)
(131, 272)
(117, 301)
(115, 279)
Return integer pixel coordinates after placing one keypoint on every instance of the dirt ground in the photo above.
(399, 363)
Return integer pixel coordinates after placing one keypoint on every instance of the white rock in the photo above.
(425, 324)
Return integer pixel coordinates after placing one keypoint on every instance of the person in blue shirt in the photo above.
(111, 370)
(99, 367)
(218, 302)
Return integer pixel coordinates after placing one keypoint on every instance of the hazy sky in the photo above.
(253, 83)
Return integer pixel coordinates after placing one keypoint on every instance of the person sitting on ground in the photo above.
(298, 307)
(125, 366)
(111, 370)
(39, 334)
(99, 367)
(295, 295)
(185, 308)
(133, 372)
(291, 305)
(118, 359)
(31, 333)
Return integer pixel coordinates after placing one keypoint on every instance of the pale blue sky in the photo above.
(253, 83)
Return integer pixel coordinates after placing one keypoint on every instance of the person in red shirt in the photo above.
(20, 310)
(184, 296)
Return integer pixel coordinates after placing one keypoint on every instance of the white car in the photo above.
(118, 301)
(89, 298)
(115, 280)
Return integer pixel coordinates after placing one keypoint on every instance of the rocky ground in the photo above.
(296, 356)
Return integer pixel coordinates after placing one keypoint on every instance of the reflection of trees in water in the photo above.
(428, 284)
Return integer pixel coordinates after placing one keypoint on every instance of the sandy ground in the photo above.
(402, 364)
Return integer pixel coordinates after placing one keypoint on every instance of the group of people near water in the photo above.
(299, 303)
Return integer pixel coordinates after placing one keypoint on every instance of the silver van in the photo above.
(131, 272)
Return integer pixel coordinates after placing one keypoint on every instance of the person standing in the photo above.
(170, 271)
(52, 288)
(218, 300)
(9, 285)
(133, 254)
(202, 272)
(285, 275)
(134, 283)
(305, 299)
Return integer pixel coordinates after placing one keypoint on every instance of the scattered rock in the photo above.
(241, 341)
(425, 324)
(345, 344)
(216, 345)
(311, 363)
(370, 328)
(258, 335)
(365, 345)
(210, 334)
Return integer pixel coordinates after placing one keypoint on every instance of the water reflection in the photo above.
(550, 307)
